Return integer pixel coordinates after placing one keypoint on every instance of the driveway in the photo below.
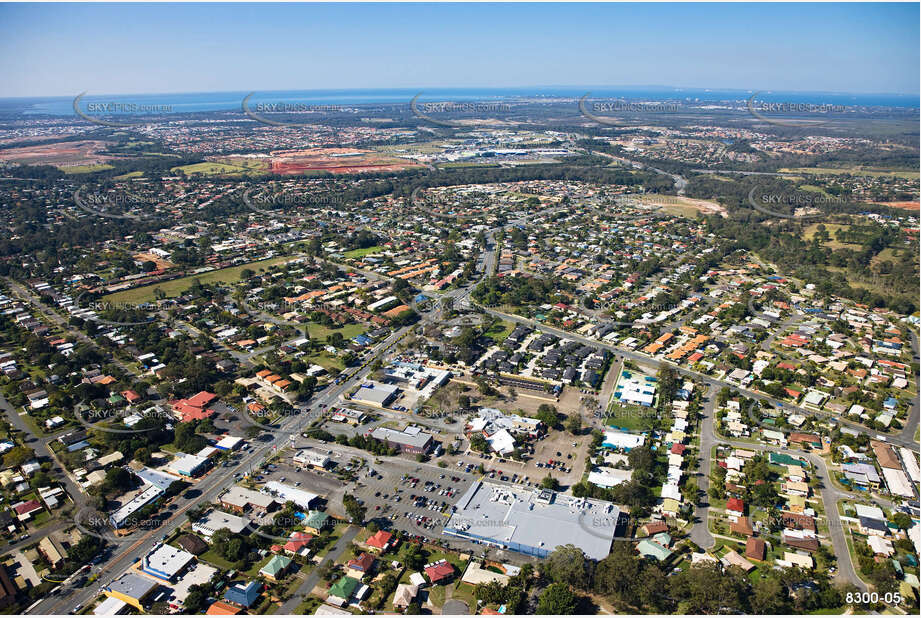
(313, 577)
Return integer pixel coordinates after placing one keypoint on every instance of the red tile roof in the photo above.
(220, 608)
(200, 400)
(27, 507)
(735, 504)
(439, 571)
(379, 540)
(362, 563)
(754, 548)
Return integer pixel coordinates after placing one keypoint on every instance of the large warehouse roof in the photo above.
(534, 522)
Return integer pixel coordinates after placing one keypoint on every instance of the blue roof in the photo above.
(244, 595)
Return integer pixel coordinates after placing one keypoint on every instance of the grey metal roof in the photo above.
(515, 516)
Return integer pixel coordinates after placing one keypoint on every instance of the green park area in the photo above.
(176, 287)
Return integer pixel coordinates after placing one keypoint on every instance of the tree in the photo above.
(196, 600)
(547, 415)
(769, 597)
(412, 556)
(17, 456)
(556, 599)
(567, 565)
(478, 443)
(548, 482)
(355, 510)
(574, 424)
(902, 520)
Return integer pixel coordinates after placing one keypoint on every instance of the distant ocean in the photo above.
(231, 101)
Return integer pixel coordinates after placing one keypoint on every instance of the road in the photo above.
(314, 576)
(28, 296)
(896, 439)
(130, 549)
(700, 533)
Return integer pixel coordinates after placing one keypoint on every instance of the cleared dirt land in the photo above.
(684, 206)
(65, 155)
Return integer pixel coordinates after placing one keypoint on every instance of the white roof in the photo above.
(111, 606)
(871, 512)
(502, 442)
(898, 483)
(228, 442)
(879, 545)
(621, 439)
(241, 497)
(167, 560)
(285, 493)
(609, 477)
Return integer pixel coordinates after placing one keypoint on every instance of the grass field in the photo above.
(360, 253)
(855, 171)
(814, 189)
(177, 286)
(832, 229)
(633, 418)
(85, 169)
(216, 169)
(129, 175)
(319, 332)
(500, 331)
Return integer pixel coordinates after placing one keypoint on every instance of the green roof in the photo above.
(276, 565)
(316, 519)
(784, 459)
(343, 588)
(652, 549)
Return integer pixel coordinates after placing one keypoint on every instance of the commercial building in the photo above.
(131, 588)
(166, 562)
(376, 394)
(310, 458)
(215, 520)
(228, 443)
(411, 440)
(241, 499)
(287, 493)
(122, 518)
(188, 466)
(533, 521)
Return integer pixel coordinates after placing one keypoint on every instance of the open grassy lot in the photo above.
(320, 333)
(177, 286)
(216, 169)
(500, 330)
(855, 171)
(327, 361)
(129, 175)
(360, 253)
(85, 169)
(633, 418)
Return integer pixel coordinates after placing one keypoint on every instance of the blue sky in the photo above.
(149, 48)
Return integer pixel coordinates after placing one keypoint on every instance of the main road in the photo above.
(897, 439)
(130, 549)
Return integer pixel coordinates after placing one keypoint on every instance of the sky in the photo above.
(63, 49)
